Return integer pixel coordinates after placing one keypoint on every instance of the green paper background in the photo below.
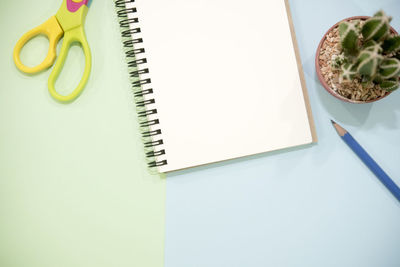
(74, 188)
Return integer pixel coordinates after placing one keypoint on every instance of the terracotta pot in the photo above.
(318, 67)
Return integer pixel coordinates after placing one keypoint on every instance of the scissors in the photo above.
(67, 22)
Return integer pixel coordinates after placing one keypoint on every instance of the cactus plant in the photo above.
(349, 33)
(370, 52)
(369, 59)
(390, 85)
(349, 71)
(376, 28)
(392, 44)
(389, 68)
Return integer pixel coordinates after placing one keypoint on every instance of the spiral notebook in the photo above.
(215, 79)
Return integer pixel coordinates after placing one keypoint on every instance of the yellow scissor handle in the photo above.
(76, 35)
(53, 31)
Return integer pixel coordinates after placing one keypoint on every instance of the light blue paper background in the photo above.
(313, 206)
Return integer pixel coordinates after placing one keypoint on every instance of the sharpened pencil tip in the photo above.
(338, 128)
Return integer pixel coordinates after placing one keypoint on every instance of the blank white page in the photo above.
(225, 78)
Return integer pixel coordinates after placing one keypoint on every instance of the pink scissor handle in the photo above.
(74, 6)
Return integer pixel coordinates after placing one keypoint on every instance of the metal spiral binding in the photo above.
(142, 94)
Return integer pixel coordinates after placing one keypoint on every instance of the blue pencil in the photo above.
(371, 164)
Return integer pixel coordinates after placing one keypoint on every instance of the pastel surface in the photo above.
(311, 207)
(69, 174)
(74, 190)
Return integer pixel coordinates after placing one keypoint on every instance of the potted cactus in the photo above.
(358, 60)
